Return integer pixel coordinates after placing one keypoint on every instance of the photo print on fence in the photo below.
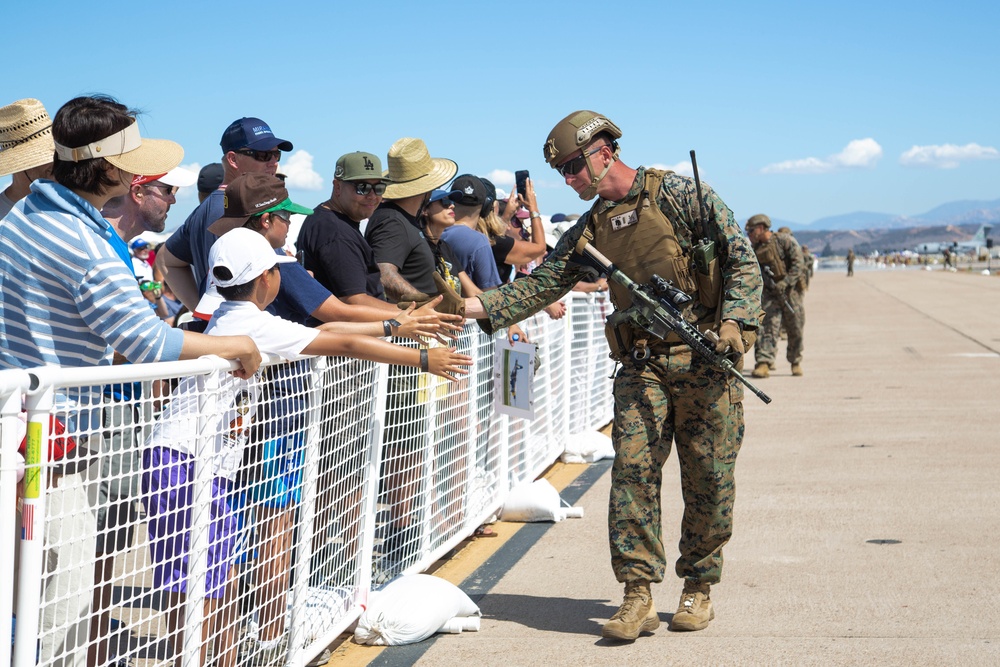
(514, 379)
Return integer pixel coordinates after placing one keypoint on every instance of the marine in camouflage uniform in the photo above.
(674, 396)
(783, 305)
(807, 263)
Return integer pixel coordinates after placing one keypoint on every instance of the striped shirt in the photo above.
(68, 299)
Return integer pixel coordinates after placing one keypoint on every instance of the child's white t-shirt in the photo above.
(178, 427)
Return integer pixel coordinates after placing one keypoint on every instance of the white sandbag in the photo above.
(412, 608)
(588, 447)
(538, 501)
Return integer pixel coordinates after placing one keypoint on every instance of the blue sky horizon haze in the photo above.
(797, 110)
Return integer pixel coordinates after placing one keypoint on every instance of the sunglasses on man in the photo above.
(574, 166)
(261, 156)
(167, 190)
(362, 189)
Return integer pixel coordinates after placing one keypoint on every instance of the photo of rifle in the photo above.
(771, 285)
(655, 309)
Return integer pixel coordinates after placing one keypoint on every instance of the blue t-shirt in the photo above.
(474, 254)
(299, 295)
(192, 240)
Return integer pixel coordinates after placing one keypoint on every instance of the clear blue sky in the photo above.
(800, 110)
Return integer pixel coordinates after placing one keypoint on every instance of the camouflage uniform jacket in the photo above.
(677, 199)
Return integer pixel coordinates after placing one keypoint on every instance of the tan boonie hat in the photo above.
(412, 171)
(359, 166)
(25, 136)
(128, 151)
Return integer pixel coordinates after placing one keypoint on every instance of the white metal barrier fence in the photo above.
(179, 515)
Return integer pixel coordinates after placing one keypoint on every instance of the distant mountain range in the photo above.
(952, 213)
(865, 231)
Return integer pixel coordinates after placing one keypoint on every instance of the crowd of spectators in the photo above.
(81, 287)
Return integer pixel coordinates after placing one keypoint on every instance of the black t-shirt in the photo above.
(446, 263)
(338, 255)
(395, 237)
(502, 245)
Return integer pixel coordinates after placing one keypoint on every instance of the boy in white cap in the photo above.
(244, 268)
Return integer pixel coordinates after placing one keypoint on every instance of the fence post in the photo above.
(12, 386)
(201, 517)
(307, 508)
(31, 546)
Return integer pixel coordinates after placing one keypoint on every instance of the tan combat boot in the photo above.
(761, 370)
(797, 370)
(695, 609)
(636, 615)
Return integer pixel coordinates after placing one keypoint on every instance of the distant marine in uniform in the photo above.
(781, 266)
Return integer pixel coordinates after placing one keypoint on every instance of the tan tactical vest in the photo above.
(640, 240)
(768, 254)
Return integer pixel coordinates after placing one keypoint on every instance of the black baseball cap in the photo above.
(474, 192)
(210, 177)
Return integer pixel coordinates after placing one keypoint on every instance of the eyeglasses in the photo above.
(284, 215)
(168, 190)
(445, 203)
(573, 167)
(362, 189)
(261, 156)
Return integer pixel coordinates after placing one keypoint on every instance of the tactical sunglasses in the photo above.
(574, 166)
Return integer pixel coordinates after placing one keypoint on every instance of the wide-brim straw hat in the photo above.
(25, 136)
(412, 170)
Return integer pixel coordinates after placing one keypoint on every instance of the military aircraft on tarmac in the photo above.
(971, 246)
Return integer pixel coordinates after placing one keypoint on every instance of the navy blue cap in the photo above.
(438, 195)
(252, 133)
(557, 217)
(138, 244)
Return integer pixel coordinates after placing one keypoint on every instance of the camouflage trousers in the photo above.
(777, 313)
(673, 398)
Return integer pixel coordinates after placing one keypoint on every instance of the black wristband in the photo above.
(386, 328)
(425, 362)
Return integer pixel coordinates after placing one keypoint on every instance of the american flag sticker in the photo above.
(27, 522)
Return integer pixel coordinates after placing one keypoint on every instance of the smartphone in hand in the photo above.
(521, 180)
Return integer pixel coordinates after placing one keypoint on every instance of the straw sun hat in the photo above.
(412, 171)
(128, 151)
(25, 136)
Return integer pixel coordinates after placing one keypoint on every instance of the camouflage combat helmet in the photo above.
(759, 219)
(573, 133)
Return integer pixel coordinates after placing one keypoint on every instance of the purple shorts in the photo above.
(166, 489)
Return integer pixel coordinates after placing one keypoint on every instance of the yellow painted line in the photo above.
(468, 558)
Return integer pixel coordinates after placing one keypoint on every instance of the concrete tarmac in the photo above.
(867, 515)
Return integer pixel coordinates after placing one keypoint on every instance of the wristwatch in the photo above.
(535, 214)
(387, 326)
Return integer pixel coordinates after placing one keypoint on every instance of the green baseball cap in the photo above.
(359, 166)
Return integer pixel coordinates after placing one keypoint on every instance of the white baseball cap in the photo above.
(180, 177)
(246, 254)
